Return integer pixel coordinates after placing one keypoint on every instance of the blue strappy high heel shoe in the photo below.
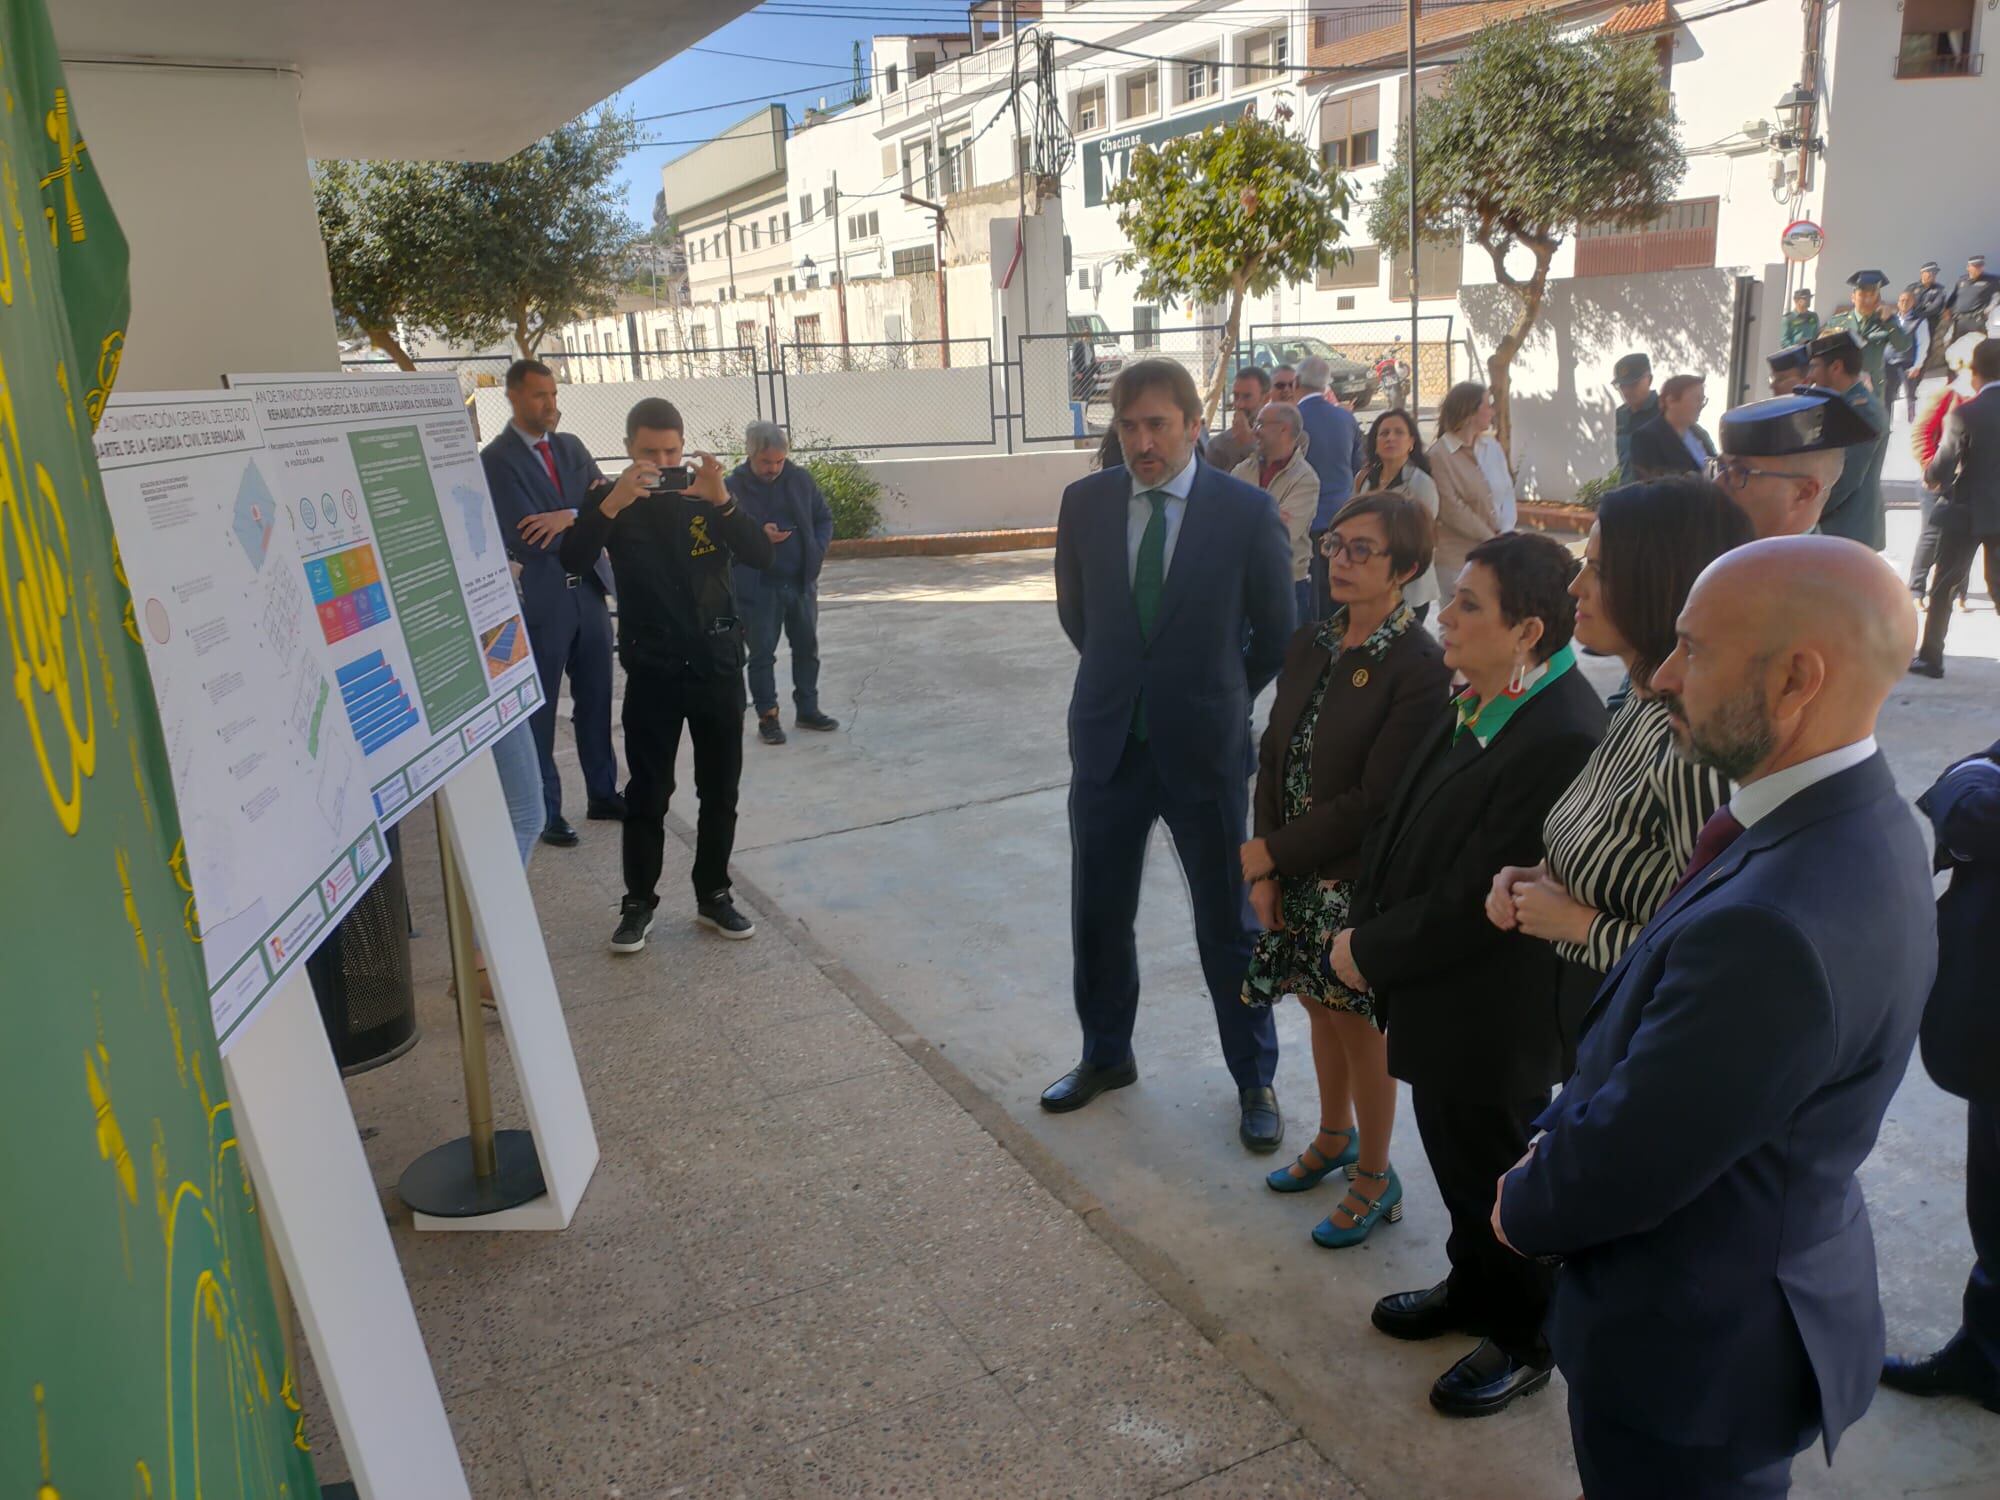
(1389, 1205)
(1282, 1180)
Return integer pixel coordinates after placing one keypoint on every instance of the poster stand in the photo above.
(320, 1206)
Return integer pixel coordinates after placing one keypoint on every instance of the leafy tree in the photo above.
(1235, 211)
(1534, 133)
(479, 251)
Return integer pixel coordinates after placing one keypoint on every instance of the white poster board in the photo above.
(278, 838)
(406, 567)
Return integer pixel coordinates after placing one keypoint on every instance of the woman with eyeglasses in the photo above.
(1279, 468)
(1471, 1009)
(1620, 836)
(1396, 463)
(1357, 691)
(1475, 489)
(1674, 442)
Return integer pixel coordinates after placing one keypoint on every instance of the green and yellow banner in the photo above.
(139, 1353)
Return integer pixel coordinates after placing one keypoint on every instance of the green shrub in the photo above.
(852, 493)
(1593, 490)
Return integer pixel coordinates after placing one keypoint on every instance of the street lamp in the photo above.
(1792, 111)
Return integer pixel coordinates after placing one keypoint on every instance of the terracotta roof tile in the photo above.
(1639, 16)
(1450, 24)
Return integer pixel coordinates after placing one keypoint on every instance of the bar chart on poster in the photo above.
(331, 628)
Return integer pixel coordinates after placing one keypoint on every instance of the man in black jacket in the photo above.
(1960, 1041)
(673, 531)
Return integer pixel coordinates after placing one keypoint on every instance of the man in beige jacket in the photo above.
(1280, 469)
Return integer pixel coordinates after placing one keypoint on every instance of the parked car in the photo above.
(1095, 356)
(1352, 381)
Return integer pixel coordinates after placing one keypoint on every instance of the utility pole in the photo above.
(944, 306)
(729, 247)
(840, 270)
(1410, 88)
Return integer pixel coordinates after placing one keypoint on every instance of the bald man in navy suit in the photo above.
(1717, 1307)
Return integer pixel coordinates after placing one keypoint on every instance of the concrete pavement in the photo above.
(926, 846)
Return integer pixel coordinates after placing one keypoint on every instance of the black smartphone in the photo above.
(673, 481)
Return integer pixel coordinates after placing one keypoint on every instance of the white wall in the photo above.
(206, 169)
(984, 492)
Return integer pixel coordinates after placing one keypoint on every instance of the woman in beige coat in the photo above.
(1279, 468)
(1475, 491)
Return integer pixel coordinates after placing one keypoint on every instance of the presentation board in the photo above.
(331, 628)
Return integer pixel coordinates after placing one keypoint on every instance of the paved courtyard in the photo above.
(835, 1247)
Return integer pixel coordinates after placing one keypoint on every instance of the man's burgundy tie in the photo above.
(549, 463)
(1717, 834)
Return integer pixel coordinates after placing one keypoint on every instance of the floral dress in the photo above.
(1289, 961)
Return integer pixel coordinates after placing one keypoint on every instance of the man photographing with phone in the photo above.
(673, 531)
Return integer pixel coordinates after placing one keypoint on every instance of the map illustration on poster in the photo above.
(279, 836)
(328, 641)
(412, 596)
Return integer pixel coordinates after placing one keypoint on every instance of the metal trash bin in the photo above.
(361, 976)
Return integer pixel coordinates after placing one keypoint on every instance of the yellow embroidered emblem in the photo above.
(698, 537)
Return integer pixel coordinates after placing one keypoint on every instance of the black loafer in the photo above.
(1488, 1380)
(1262, 1128)
(1958, 1369)
(558, 832)
(1924, 667)
(1085, 1082)
(606, 809)
(1421, 1315)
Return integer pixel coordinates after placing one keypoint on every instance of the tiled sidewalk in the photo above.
(803, 1267)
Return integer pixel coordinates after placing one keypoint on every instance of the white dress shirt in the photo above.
(1493, 464)
(1758, 799)
(1138, 512)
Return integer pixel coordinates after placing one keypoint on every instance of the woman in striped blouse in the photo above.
(1620, 837)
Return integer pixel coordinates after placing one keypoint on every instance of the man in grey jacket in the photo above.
(1279, 467)
(1966, 474)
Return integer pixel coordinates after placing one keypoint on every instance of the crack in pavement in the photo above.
(922, 812)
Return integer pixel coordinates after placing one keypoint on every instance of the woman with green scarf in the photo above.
(1470, 1010)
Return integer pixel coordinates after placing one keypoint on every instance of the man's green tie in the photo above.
(1148, 580)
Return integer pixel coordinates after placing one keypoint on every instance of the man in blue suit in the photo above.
(1336, 452)
(1717, 1306)
(1173, 581)
(1961, 1050)
(538, 477)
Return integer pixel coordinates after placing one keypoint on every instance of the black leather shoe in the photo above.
(1263, 1125)
(1958, 1369)
(1085, 1082)
(558, 832)
(1420, 1315)
(1924, 667)
(606, 809)
(1488, 1380)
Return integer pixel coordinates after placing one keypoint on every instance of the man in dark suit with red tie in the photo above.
(1717, 1308)
(538, 477)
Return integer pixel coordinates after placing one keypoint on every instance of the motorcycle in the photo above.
(1392, 378)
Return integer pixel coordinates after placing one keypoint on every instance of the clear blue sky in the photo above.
(818, 58)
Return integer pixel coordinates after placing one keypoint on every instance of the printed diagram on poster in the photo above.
(278, 836)
(410, 590)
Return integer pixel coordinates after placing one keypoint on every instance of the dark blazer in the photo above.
(1372, 719)
(1697, 1176)
(1658, 450)
(1961, 1030)
(1966, 467)
(1467, 1005)
(1230, 579)
(520, 488)
(1335, 450)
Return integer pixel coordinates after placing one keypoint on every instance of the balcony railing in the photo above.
(1940, 64)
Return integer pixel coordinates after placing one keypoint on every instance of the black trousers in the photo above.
(1957, 541)
(1926, 556)
(657, 706)
(1982, 1212)
(1471, 1138)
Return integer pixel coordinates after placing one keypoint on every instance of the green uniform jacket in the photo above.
(1877, 332)
(1629, 422)
(1854, 508)
(1799, 328)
